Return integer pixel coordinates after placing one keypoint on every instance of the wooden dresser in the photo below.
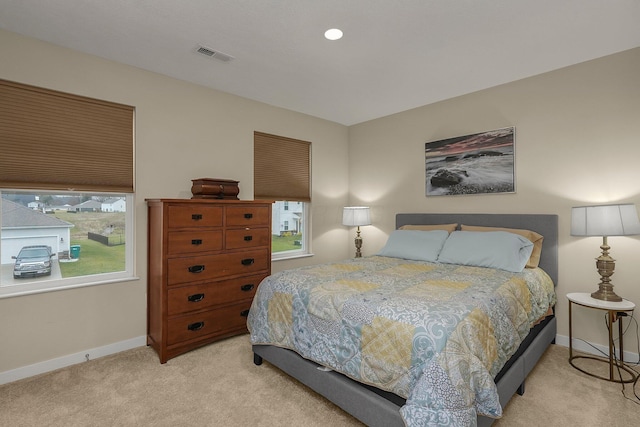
(206, 260)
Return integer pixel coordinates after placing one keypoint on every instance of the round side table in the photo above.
(614, 310)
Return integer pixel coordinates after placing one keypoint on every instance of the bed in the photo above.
(385, 395)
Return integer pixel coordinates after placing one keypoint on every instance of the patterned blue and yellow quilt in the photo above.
(435, 334)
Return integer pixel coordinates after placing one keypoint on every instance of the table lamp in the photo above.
(605, 220)
(356, 216)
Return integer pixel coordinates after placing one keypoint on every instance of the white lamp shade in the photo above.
(605, 220)
(356, 216)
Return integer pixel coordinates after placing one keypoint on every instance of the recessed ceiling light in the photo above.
(333, 34)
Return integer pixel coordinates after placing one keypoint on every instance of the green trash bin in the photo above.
(74, 251)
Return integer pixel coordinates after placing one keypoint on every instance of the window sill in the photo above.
(9, 291)
(288, 257)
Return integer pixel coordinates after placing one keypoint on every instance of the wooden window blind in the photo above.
(52, 140)
(281, 168)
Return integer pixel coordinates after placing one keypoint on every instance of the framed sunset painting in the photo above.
(479, 163)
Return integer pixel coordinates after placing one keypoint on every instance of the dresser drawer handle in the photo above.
(248, 238)
(196, 269)
(247, 261)
(244, 313)
(196, 241)
(195, 297)
(195, 326)
(247, 287)
(248, 215)
(196, 217)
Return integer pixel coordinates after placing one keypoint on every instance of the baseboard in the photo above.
(94, 353)
(71, 359)
(599, 350)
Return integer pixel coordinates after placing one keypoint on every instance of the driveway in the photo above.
(6, 274)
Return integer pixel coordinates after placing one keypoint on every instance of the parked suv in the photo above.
(33, 261)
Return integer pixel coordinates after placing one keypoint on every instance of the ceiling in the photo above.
(395, 54)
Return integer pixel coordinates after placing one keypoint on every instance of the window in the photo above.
(88, 236)
(282, 173)
(66, 186)
(289, 238)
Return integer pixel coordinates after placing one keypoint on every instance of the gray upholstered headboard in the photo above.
(546, 225)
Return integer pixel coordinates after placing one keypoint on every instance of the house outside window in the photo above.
(289, 234)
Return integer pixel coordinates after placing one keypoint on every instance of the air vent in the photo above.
(203, 50)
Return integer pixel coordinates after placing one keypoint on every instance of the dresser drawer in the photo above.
(199, 297)
(211, 267)
(189, 216)
(185, 242)
(247, 216)
(247, 238)
(193, 326)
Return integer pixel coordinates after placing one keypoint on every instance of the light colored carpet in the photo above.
(218, 385)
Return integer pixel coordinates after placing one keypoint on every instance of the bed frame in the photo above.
(379, 408)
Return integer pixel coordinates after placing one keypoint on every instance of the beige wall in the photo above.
(577, 142)
(183, 131)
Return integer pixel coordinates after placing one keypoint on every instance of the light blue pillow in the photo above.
(494, 249)
(415, 245)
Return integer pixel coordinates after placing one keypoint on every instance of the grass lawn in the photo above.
(285, 243)
(94, 258)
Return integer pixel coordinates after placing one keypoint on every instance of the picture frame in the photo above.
(479, 163)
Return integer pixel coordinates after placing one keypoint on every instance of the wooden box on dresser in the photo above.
(206, 260)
